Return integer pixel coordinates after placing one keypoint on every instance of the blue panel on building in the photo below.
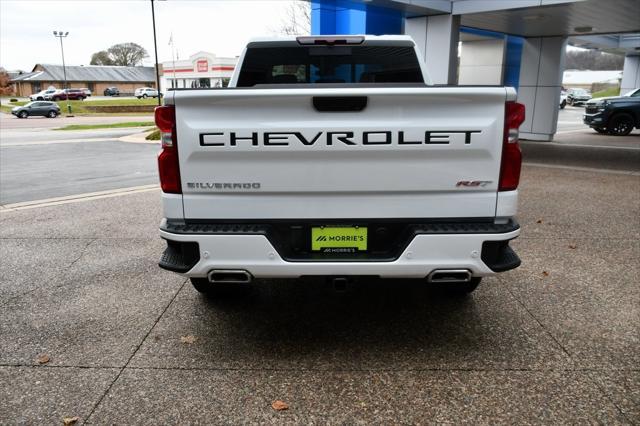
(350, 17)
(513, 58)
(353, 17)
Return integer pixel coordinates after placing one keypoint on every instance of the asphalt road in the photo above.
(39, 163)
(34, 172)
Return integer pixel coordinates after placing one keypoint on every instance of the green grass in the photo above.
(107, 126)
(612, 91)
(116, 101)
(8, 108)
(154, 136)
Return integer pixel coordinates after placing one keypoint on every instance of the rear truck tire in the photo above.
(601, 130)
(620, 124)
(52, 114)
(23, 114)
(218, 290)
(460, 289)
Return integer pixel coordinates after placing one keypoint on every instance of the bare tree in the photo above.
(125, 54)
(6, 88)
(296, 20)
(101, 58)
(593, 60)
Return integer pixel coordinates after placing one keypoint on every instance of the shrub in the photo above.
(154, 136)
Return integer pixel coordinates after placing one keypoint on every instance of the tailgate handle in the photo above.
(339, 103)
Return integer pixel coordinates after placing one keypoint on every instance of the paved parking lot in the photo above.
(555, 341)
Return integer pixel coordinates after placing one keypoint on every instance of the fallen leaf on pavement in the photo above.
(539, 221)
(545, 273)
(43, 359)
(572, 246)
(70, 420)
(279, 405)
(188, 339)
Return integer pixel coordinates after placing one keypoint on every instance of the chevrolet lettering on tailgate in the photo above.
(428, 137)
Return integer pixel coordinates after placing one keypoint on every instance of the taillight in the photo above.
(168, 165)
(511, 154)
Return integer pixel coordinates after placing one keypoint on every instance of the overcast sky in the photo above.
(218, 26)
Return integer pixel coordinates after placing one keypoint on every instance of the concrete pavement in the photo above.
(555, 341)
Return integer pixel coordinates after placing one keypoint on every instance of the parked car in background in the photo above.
(40, 96)
(634, 93)
(37, 108)
(71, 94)
(563, 99)
(86, 91)
(614, 115)
(577, 96)
(111, 91)
(146, 92)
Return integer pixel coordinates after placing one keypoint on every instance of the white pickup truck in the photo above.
(335, 156)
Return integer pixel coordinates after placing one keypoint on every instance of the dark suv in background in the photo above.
(111, 91)
(578, 96)
(616, 116)
(41, 108)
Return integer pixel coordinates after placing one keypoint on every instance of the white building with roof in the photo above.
(202, 69)
(584, 79)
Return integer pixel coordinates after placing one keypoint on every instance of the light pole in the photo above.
(62, 35)
(155, 47)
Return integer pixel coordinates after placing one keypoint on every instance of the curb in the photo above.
(90, 196)
(138, 138)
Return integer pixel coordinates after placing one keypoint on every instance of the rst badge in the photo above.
(473, 183)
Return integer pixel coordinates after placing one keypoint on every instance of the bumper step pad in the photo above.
(499, 257)
(180, 256)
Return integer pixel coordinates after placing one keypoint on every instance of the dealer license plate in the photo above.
(339, 239)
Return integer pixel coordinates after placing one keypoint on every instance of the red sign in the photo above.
(202, 65)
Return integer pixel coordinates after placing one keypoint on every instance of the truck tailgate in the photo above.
(270, 154)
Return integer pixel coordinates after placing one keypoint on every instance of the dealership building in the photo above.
(518, 43)
(93, 77)
(202, 69)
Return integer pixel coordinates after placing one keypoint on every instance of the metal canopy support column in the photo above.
(540, 84)
(437, 38)
(630, 74)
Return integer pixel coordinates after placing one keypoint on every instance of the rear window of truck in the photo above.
(329, 64)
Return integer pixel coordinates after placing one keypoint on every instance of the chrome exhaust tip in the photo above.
(449, 276)
(228, 276)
